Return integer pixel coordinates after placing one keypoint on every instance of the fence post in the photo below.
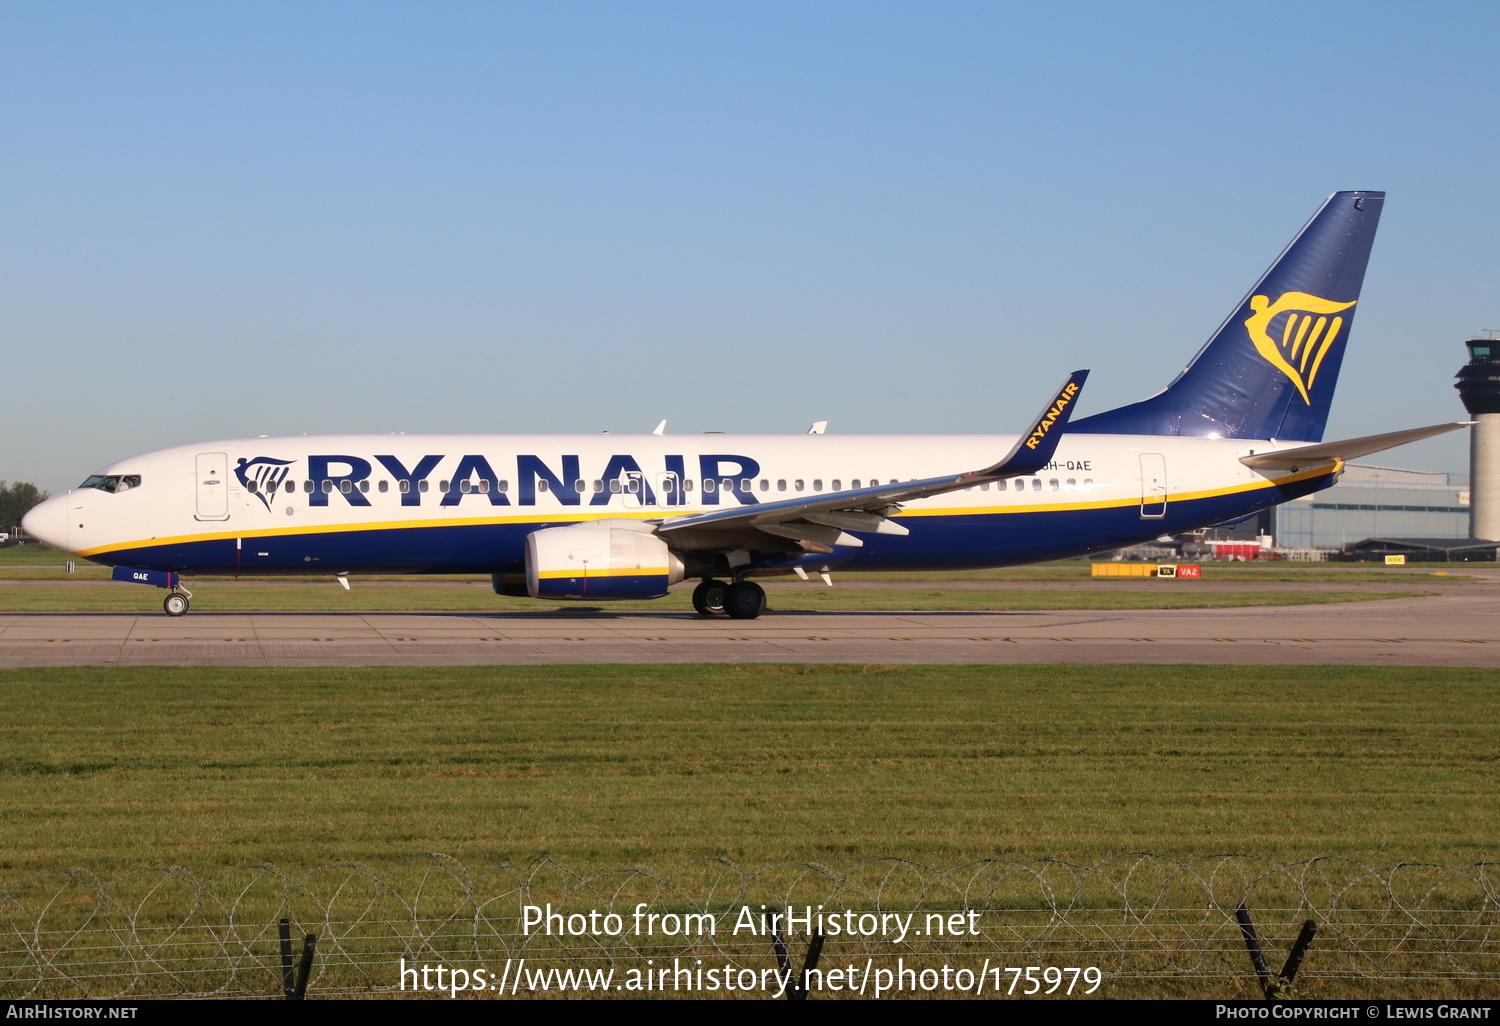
(304, 970)
(287, 985)
(1272, 986)
(796, 987)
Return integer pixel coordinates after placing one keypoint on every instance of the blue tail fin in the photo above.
(1269, 371)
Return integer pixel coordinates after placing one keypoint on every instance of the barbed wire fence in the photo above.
(1151, 925)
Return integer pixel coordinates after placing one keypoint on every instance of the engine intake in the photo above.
(599, 561)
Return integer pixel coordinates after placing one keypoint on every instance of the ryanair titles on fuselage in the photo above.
(667, 482)
(343, 475)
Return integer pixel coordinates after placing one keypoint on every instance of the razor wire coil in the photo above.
(1140, 917)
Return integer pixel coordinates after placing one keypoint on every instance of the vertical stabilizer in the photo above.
(1270, 369)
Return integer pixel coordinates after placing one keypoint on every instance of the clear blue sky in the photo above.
(234, 219)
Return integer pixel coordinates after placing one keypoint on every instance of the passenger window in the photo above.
(984, 486)
(484, 487)
(765, 485)
(1001, 486)
(443, 487)
(346, 486)
(291, 486)
(1053, 484)
(709, 484)
(781, 485)
(598, 486)
(1070, 484)
(307, 486)
(836, 485)
(854, 483)
(422, 485)
(364, 486)
(579, 486)
(728, 485)
(874, 483)
(465, 486)
(385, 486)
(817, 484)
(403, 486)
(1088, 483)
(502, 485)
(687, 485)
(252, 487)
(1036, 484)
(614, 486)
(633, 485)
(797, 484)
(542, 485)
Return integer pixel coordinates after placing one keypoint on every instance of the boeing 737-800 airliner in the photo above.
(620, 517)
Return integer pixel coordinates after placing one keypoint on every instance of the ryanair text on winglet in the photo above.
(1045, 424)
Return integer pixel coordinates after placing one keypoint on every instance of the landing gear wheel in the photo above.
(175, 604)
(745, 600)
(708, 598)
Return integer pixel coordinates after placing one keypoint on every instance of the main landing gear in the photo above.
(742, 600)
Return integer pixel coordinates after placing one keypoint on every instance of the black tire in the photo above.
(745, 600)
(175, 604)
(708, 597)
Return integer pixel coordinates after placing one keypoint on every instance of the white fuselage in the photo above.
(443, 503)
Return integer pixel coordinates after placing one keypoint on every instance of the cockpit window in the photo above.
(113, 482)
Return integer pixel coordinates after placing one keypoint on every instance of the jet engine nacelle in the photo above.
(599, 561)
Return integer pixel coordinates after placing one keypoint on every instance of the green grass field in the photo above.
(608, 766)
(38, 562)
(322, 596)
(605, 768)
(32, 580)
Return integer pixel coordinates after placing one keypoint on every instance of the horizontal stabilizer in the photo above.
(1348, 449)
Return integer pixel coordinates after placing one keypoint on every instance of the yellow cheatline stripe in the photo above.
(562, 517)
(1327, 467)
(385, 525)
(645, 571)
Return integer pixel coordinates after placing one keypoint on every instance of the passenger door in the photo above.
(212, 484)
(1153, 486)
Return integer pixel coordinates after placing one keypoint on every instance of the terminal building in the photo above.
(1375, 502)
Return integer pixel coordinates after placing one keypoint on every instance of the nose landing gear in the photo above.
(178, 597)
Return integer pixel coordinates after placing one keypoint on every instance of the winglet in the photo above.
(1034, 449)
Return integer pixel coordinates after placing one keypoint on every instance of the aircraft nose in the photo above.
(48, 523)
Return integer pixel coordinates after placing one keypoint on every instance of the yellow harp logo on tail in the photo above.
(1306, 334)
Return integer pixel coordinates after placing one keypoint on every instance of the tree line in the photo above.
(15, 500)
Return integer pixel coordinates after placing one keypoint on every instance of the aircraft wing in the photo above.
(1348, 449)
(825, 519)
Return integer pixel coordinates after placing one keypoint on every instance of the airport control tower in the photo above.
(1479, 387)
